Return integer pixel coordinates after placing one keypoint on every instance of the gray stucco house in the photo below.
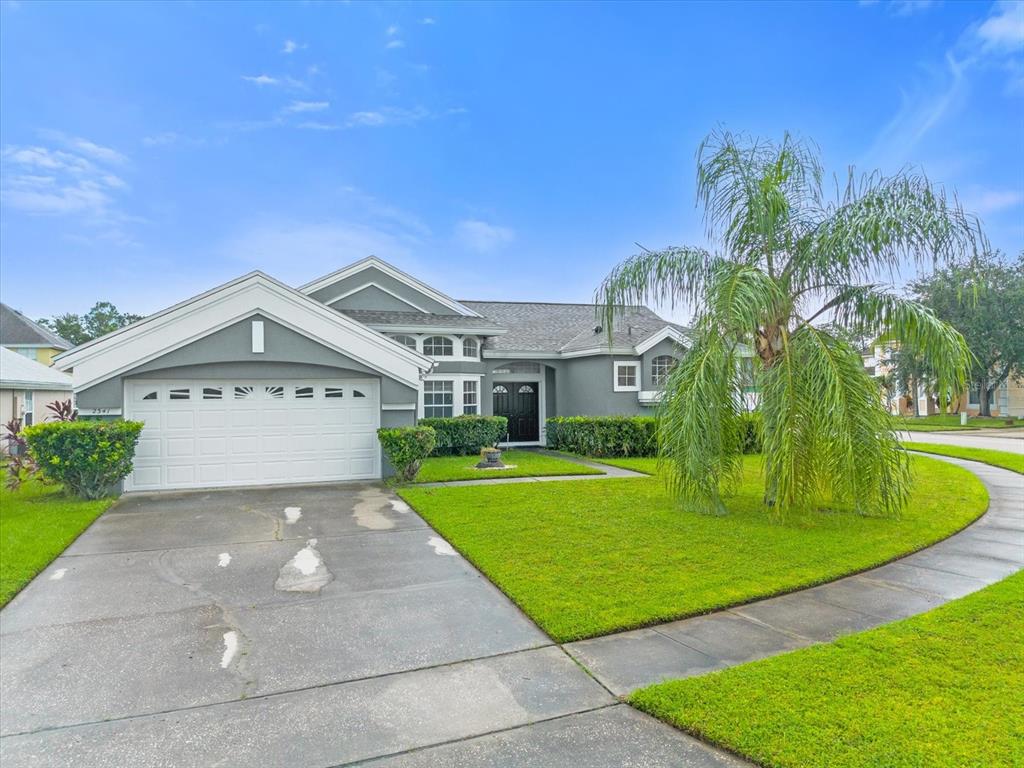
(255, 382)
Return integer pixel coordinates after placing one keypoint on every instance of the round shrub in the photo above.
(466, 435)
(406, 448)
(751, 430)
(89, 458)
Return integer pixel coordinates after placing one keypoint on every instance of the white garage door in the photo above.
(200, 434)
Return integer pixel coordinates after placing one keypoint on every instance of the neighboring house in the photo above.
(1007, 400)
(26, 388)
(28, 338)
(255, 382)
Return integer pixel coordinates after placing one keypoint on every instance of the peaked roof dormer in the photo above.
(373, 284)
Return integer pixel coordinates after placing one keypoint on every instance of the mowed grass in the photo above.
(526, 464)
(943, 690)
(950, 422)
(586, 558)
(37, 523)
(1012, 461)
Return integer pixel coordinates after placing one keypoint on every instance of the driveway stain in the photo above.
(369, 510)
(305, 572)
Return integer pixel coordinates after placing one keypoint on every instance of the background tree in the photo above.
(983, 298)
(98, 321)
(791, 260)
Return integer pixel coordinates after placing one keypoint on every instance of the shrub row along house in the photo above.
(255, 382)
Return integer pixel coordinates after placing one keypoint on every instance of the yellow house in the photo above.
(28, 338)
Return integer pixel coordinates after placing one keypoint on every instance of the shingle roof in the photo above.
(17, 329)
(547, 327)
(397, 318)
(18, 372)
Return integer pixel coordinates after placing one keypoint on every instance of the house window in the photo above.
(469, 397)
(438, 346)
(438, 399)
(519, 368)
(154, 395)
(303, 393)
(974, 396)
(28, 415)
(213, 393)
(409, 341)
(357, 393)
(626, 377)
(470, 348)
(274, 393)
(526, 389)
(661, 367)
(333, 392)
(180, 394)
(500, 389)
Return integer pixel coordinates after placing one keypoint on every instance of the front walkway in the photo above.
(1011, 440)
(988, 550)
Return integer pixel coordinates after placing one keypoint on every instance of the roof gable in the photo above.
(341, 290)
(123, 350)
(16, 330)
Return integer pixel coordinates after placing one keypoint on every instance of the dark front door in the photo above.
(517, 401)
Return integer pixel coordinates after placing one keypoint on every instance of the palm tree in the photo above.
(793, 285)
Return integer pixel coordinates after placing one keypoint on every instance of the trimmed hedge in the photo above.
(406, 448)
(607, 436)
(466, 435)
(88, 458)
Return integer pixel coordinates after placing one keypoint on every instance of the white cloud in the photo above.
(984, 201)
(43, 181)
(307, 106)
(909, 7)
(387, 116)
(1004, 29)
(428, 21)
(261, 80)
(315, 125)
(391, 31)
(392, 44)
(482, 237)
(164, 139)
(290, 46)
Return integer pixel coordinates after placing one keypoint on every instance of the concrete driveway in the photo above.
(301, 626)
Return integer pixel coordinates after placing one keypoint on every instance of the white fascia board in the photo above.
(254, 294)
(668, 332)
(397, 274)
(501, 354)
(35, 386)
(599, 351)
(650, 396)
(427, 330)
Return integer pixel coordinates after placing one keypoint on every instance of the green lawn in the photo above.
(950, 422)
(585, 558)
(527, 464)
(1004, 459)
(943, 690)
(37, 523)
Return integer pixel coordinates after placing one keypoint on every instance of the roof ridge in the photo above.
(552, 303)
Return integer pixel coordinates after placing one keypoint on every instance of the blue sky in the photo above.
(498, 151)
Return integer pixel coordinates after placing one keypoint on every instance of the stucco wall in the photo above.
(664, 347)
(228, 354)
(373, 275)
(585, 389)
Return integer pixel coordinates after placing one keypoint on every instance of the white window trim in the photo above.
(456, 379)
(457, 355)
(619, 364)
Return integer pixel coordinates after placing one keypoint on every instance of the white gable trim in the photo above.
(379, 287)
(668, 332)
(390, 271)
(256, 293)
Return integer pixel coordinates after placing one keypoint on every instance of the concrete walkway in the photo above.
(607, 470)
(988, 550)
(996, 439)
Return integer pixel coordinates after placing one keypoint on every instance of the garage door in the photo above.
(202, 434)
